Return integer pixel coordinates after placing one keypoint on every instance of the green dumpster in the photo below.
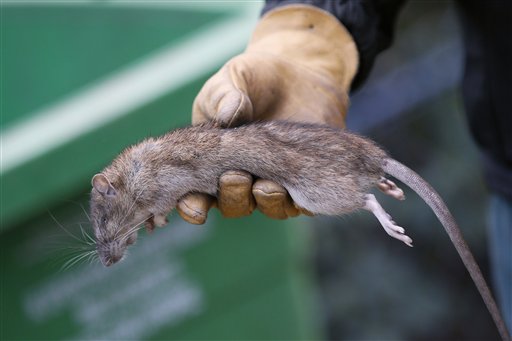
(81, 81)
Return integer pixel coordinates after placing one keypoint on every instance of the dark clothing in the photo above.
(487, 82)
(487, 85)
(369, 22)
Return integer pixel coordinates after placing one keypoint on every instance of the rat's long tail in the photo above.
(430, 196)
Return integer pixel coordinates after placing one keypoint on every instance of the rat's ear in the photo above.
(101, 183)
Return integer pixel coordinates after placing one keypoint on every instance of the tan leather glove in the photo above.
(298, 66)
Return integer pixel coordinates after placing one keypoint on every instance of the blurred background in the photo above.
(82, 80)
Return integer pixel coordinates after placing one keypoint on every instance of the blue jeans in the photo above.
(500, 242)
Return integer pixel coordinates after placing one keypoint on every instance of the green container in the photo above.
(65, 67)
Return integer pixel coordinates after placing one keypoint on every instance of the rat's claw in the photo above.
(391, 228)
(397, 228)
(397, 232)
(404, 238)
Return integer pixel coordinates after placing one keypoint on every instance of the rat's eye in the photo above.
(104, 220)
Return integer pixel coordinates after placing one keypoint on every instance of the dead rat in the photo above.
(325, 170)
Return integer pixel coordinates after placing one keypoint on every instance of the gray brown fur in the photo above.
(326, 171)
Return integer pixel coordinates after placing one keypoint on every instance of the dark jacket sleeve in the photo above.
(371, 23)
(487, 84)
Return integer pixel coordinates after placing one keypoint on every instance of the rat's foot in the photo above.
(160, 220)
(395, 231)
(390, 188)
(132, 238)
(149, 224)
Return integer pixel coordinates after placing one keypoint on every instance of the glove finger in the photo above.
(273, 200)
(194, 207)
(235, 198)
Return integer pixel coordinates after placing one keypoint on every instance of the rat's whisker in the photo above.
(87, 239)
(75, 260)
(138, 225)
(79, 222)
(63, 256)
(85, 212)
(70, 263)
(132, 205)
(73, 251)
(82, 207)
(80, 248)
(61, 250)
(87, 236)
(131, 230)
(91, 257)
(64, 229)
(94, 258)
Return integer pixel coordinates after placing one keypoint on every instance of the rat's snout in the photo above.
(110, 260)
(110, 253)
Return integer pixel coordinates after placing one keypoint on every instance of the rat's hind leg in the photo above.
(390, 188)
(395, 231)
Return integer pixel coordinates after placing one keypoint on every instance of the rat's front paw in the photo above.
(160, 220)
(150, 224)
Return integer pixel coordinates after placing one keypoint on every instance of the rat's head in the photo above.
(115, 218)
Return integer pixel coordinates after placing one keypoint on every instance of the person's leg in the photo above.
(500, 246)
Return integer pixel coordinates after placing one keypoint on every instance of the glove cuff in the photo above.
(309, 36)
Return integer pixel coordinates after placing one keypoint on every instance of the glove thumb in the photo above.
(223, 99)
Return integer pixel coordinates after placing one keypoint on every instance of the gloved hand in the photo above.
(298, 66)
